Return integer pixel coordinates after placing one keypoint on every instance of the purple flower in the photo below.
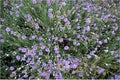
(1, 51)
(65, 20)
(57, 51)
(113, 32)
(17, 13)
(37, 26)
(101, 70)
(55, 38)
(34, 48)
(78, 27)
(100, 42)
(40, 53)
(23, 37)
(112, 52)
(8, 29)
(73, 72)
(47, 50)
(50, 10)
(42, 47)
(40, 38)
(43, 74)
(117, 77)
(74, 42)
(66, 47)
(25, 76)
(61, 40)
(56, 48)
(87, 28)
(88, 20)
(78, 36)
(2, 40)
(92, 52)
(33, 37)
(24, 50)
(18, 57)
(34, 1)
(89, 56)
(118, 60)
(48, 2)
(28, 60)
(11, 68)
(23, 59)
(105, 41)
(20, 79)
(74, 65)
(1, 35)
(80, 75)
(58, 55)
(50, 15)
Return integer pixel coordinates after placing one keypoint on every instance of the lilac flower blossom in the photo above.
(11, 68)
(8, 29)
(18, 57)
(101, 70)
(66, 48)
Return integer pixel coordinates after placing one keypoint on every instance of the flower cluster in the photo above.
(60, 39)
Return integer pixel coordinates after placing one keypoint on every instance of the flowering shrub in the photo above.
(60, 39)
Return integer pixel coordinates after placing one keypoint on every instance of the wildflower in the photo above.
(1, 35)
(105, 41)
(78, 27)
(80, 75)
(66, 47)
(18, 57)
(23, 59)
(61, 40)
(56, 48)
(74, 65)
(113, 32)
(24, 50)
(25, 76)
(100, 42)
(78, 36)
(65, 20)
(17, 13)
(43, 74)
(23, 37)
(34, 1)
(118, 60)
(73, 72)
(50, 15)
(89, 56)
(42, 47)
(101, 70)
(48, 2)
(62, 4)
(58, 55)
(40, 53)
(33, 37)
(2, 40)
(34, 48)
(47, 50)
(13, 74)
(37, 26)
(40, 37)
(11, 68)
(88, 20)
(50, 10)
(1, 51)
(87, 28)
(8, 29)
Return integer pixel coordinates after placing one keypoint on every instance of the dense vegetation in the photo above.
(60, 39)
